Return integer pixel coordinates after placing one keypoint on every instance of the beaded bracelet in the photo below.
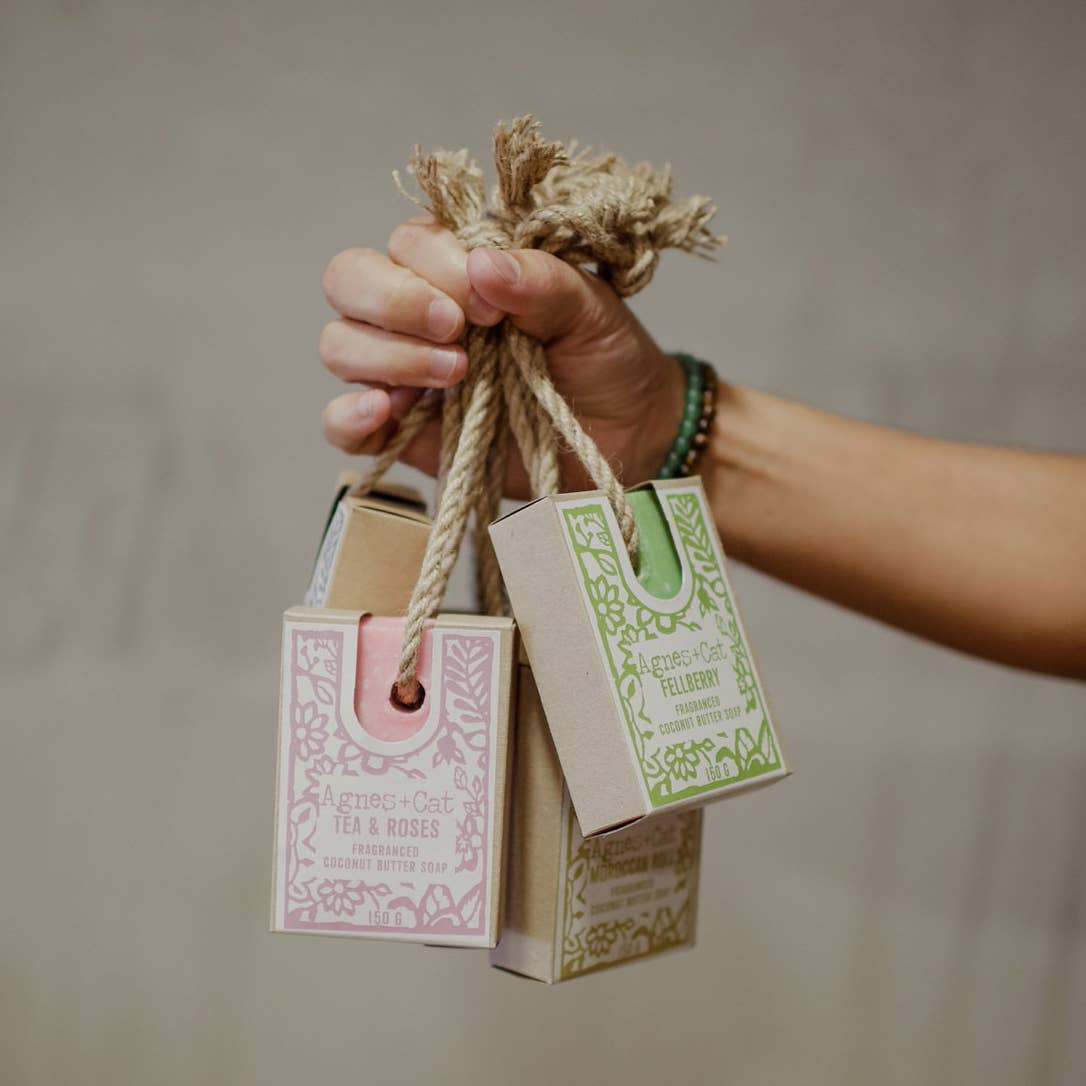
(699, 407)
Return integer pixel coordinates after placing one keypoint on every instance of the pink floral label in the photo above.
(380, 838)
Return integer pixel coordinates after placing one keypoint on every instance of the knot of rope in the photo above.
(586, 210)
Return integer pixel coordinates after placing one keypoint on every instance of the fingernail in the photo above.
(443, 361)
(504, 265)
(442, 317)
(365, 405)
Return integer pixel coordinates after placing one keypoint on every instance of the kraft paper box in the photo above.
(653, 703)
(574, 906)
(390, 824)
(371, 552)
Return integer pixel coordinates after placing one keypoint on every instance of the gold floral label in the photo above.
(627, 894)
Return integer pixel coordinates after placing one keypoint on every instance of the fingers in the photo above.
(367, 286)
(352, 422)
(546, 297)
(361, 352)
(360, 423)
(401, 314)
(434, 254)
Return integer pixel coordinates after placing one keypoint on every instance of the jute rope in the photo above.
(585, 210)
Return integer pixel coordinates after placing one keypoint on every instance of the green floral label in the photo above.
(681, 671)
(628, 894)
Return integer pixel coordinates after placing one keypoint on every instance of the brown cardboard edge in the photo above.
(547, 981)
(363, 535)
(603, 967)
(482, 622)
(536, 768)
(339, 616)
(374, 503)
(348, 479)
(695, 891)
(569, 646)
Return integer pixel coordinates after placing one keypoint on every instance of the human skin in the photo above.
(979, 548)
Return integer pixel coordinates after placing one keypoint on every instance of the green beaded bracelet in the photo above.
(699, 406)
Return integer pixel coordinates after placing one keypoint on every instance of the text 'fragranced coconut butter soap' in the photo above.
(649, 687)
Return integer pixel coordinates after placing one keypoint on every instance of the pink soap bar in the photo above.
(380, 640)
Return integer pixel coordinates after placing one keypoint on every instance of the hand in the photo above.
(401, 314)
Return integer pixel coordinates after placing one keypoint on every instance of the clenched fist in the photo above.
(401, 315)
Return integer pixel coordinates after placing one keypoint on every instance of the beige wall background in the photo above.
(902, 185)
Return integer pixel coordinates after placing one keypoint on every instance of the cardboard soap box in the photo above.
(653, 703)
(372, 550)
(391, 824)
(574, 906)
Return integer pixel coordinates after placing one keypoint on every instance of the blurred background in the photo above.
(902, 185)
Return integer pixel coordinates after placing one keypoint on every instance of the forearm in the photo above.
(979, 548)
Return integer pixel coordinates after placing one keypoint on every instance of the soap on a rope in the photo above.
(658, 661)
(390, 822)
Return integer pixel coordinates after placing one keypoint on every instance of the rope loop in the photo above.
(586, 210)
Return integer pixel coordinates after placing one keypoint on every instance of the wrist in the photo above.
(743, 468)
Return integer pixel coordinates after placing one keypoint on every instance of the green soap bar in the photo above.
(658, 567)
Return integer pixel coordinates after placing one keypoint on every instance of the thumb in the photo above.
(544, 296)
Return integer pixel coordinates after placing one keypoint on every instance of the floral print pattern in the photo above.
(627, 625)
(646, 923)
(340, 898)
(441, 897)
(606, 604)
(310, 730)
